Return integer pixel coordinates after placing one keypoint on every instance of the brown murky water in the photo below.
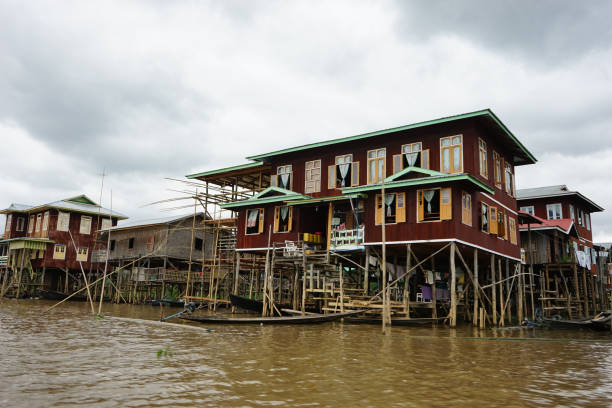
(67, 358)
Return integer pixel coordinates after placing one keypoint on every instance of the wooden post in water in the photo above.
(585, 291)
(386, 312)
(366, 271)
(475, 285)
(304, 283)
(501, 292)
(453, 287)
(521, 287)
(434, 296)
(493, 290)
(407, 281)
(264, 312)
(341, 288)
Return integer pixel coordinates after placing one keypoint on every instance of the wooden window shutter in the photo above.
(261, 220)
(355, 174)
(425, 159)
(379, 210)
(503, 173)
(493, 220)
(276, 218)
(501, 231)
(290, 218)
(512, 231)
(331, 176)
(506, 218)
(400, 207)
(446, 204)
(397, 163)
(420, 205)
(274, 180)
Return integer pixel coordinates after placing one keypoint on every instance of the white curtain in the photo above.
(429, 195)
(252, 218)
(344, 168)
(284, 212)
(412, 158)
(388, 202)
(285, 181)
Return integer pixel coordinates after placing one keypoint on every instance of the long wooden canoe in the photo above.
(394, 321)
(306, 319)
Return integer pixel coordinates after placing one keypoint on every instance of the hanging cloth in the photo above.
(285, 181)
(344, 168)
(252, 218)
(429, 195)
(388, 202)
(284, 212)
(411, 158)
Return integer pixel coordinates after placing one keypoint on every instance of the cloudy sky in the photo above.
(156, 89)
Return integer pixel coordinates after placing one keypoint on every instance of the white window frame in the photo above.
(82, 254)
(31, 222)
(20, 224)
(587, 219)
(312, 181)
(85, 227)
(63, 252)
(483, 158)
(528, 209)
(106, 223)
(9, 223)
(61, 217)
(572, 213)
(554, 206)
(45, 222)
(38, 222)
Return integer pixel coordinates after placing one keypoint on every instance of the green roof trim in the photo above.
(226, 169)
(446, 178)
(326, 199)
(484, 112)
(28, 243)
(82, 199)
(407, 170)
(260, 198)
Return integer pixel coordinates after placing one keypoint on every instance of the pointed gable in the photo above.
(81, 199)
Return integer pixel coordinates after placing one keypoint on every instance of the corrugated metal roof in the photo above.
(18, 207)
(150, 221)
(554, 191)
(68, 205)
(541, 191)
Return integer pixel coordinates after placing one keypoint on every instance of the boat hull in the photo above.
(306, 319)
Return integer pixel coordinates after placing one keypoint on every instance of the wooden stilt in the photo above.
(407, 282)
(501, 293)
(493, 291)
(434, 296)
(585, 292)
(520, 293)
(475, 286)
(453, 287)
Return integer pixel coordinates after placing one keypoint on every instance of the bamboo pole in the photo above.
(195, 208)
(107, 253)
(264, 312)
(304, 283)
(93, 311)
(386, 312)
(521, 294)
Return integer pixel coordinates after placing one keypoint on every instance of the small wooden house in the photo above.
(49, 245)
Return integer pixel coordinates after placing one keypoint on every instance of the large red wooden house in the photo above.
(46, 245)
(445, 180)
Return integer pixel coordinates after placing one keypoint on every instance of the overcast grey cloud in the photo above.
(154, 89)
